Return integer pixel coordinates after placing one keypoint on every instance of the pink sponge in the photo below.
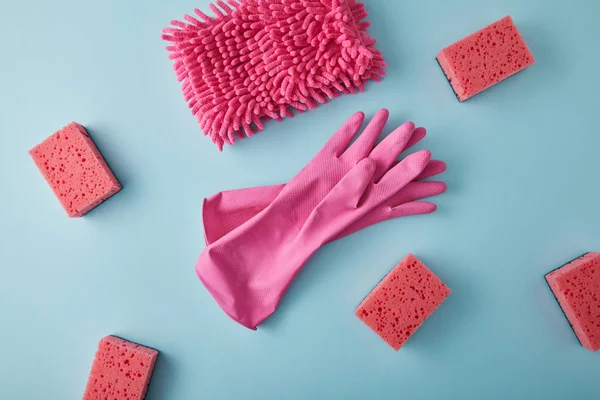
(75, 170)
(402, 301)
(121, 371)
(485, 58)
(261, 59)
(576, 286)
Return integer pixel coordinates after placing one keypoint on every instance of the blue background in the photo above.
(522, 200)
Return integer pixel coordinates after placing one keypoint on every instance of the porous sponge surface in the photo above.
(485, 58)
(75, 170)
(121, 370)
(576, 286)
(402, 301)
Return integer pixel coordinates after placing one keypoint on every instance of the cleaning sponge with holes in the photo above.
(261, 59)
(75, 170)
(576, 286)
(402, 301)
(121, 370)
(485, 58)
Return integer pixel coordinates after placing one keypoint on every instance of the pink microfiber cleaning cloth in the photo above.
(576, 286)
(121, 370)
(402, 301)
(227, 210)
(248, 270)
(485, 58)
(260, 59)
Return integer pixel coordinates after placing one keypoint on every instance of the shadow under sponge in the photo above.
(485, 58)
(121, 370)
(576, 286)
(402, 301)
(75, 170)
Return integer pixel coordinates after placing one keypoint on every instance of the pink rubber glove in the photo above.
(248, 270)
(225, 211)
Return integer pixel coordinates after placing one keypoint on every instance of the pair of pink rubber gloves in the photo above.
(258, 239)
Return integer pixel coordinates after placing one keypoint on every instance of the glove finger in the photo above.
(418, 135)
(386, 213)
(415, 191)
(367, 139)
(386, 152)
(413, 208)
(403, 173)
(373, 217)
(434, 167)
(340, 140)
(332, 214)
(352, 186)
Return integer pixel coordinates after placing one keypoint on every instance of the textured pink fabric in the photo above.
(260, 59)
(225, 211)
(248, 270)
